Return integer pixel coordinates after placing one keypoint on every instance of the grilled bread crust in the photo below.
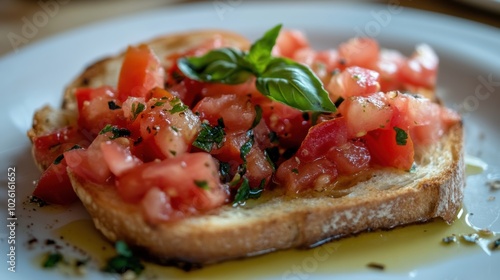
(384, 199)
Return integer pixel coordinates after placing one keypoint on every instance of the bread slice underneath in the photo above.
(388, 198)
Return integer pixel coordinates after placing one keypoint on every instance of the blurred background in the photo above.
(56, 16)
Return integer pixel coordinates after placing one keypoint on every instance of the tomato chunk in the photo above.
(141, 71)
(54, 186)
(385, 150)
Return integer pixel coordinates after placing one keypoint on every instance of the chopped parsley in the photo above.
(177, 106)
(52, 260)
(112, 105)
(61, 156)
(401, 136)
(258, 116)
(117, 132)
(245, 192)
(202, 184)
(209, 136)
(124, 261)
(137, 108)
(247, 146)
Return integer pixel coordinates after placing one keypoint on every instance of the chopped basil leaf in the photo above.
(112, 105)
(52, 260)
(272, 156)
(117, 132)
(245, 192)
(124, 261)
(224, 169)
(61, 156)
(137, 108)
(258, 116)
(202, 184)
(159, 103)
(209, 136)
(401, 136)
(247, 146)
(280, 79)
(495, 244)
(295, 170)
(177, 106)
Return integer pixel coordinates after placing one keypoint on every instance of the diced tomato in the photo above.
(389, 67)
(289, 42)
(321, 138)
(258, 168)
(89, 163)
(141, 71)
(350, 157)
(353, 81)
(362, 52)
(385, 150)
(95, 113)
(237, 112)
(48, 147)
(118, 156)
(190, 181)
(296, 176)
(421, 68)
(54, 186)
(289, 124)
(363, 114)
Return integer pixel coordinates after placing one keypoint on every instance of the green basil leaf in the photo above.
(260, 52)
(209, 136)
(225, 65)
(401, 136)
(294, 84)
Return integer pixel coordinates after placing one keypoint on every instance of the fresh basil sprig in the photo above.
(280, 79)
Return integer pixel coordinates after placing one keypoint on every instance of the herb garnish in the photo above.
(202, 184)
(112, 105)
(281, 79)
(117, 132)
(177, 106)
(137, 108)
(245, 192)
(247, 146)
(209, 136)
(401, 136)
(258, 116)
(124, 261)
(61, 156)
(52, 260)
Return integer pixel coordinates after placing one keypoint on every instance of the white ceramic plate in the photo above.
(36, 75)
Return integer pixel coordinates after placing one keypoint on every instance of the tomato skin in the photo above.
(386, 152)
(321, 137)
(289, 42)
(141, 71)
(54, 186)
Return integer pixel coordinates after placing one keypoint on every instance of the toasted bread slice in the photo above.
(383, 199)
(388, 199)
